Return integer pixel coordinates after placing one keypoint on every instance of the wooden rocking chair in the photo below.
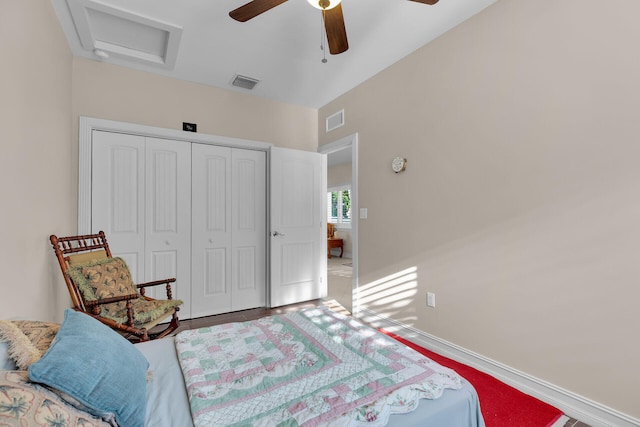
(101, 286)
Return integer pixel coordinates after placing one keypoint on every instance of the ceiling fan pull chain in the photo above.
(321, 29)
(324, 52)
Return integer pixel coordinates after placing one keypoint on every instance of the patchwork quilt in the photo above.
(307, 368)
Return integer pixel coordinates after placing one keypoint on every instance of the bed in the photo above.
(359, 376)
(453, 408)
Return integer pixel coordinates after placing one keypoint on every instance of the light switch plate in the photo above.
(363, 213)
(431, 299)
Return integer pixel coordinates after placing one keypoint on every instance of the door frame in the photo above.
(350, 141)
(89, 124)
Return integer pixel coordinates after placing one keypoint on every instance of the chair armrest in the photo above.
(156, 283)
(168, 283)
(94, 306)
(110, 300)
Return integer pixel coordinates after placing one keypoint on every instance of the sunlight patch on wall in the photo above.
(392, 292)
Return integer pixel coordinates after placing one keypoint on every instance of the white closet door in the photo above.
(168, 217)
(249, 229)
(141, 195)
(228, 229)
(118, 195)
(298, 226)
(211, 230)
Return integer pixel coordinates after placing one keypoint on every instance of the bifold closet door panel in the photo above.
(168, 217)
(249, 229)
(192, 211)
(140, 197)
(211, 230)
(118, 196)
(228, 229)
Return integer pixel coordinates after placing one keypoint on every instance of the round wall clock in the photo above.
(398, 164)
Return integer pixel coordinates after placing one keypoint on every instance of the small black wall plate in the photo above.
(189, 127)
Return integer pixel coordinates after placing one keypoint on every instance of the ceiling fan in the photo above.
(331, 12)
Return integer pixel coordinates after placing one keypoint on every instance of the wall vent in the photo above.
(335, 120)
(244, 82)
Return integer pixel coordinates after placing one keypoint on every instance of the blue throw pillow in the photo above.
(97, 367)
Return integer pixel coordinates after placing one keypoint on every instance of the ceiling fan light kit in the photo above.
(324, 4)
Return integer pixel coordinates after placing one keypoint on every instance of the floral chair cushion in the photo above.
(110, 277)
(145, 311)
(27, 340)
(103, 278)
(23, 403)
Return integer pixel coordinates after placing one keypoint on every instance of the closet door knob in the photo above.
(210, 240)
(166, 242)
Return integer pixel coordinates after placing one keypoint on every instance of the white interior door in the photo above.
(141, 199)
(168, 217)
(298, 226)
(211, 229)
(249, 229)
(118, 195)
(229, 229)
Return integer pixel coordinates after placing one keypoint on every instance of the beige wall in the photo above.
(339, 175)
(44, 91)
(36, 163)
(111, 92)
(520, 204)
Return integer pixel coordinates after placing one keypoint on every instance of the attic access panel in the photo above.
(125, 35)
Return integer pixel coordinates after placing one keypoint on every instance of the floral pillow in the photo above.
(27, 340)
(23, 403)
(103, 278)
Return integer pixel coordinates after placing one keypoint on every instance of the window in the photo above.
(339, 206)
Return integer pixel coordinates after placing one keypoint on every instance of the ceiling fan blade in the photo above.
(336, 32)
(432, 2)
(253, 9)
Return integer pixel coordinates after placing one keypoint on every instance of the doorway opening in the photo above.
(342, 220)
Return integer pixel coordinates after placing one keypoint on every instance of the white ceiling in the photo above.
(281, 47)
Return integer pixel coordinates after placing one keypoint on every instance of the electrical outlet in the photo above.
(431, 299)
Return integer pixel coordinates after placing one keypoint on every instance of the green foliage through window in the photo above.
(339, 206)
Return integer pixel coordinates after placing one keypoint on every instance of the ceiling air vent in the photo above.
(244, 82)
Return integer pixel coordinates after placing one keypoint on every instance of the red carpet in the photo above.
(501, 404)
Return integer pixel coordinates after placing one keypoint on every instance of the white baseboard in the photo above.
(572, 404)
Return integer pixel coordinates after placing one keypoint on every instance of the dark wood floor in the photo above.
(255, 313)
